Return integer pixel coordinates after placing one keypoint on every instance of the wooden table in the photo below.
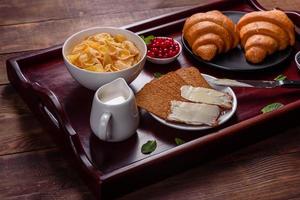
(33, 167)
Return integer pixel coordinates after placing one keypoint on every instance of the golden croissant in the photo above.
(264, 32)
(210, 33)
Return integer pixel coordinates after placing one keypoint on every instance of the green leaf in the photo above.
(149, 147)
(157, 74)
(147, 39)
(179, 141)
(271, 107)
(280, 77)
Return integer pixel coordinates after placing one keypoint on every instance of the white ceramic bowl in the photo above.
(165, 60)
(93, 80)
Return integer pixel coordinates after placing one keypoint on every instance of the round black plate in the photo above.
(234, 60)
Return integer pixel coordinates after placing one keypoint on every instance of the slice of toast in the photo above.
(156, 96)
(171, 84)
(154, 100)
(193, 77)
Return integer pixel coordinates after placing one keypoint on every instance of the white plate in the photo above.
(222, 119)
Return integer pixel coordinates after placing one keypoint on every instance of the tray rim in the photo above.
(73, 139)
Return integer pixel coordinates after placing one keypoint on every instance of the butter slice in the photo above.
(194, 113)
(206, 95)
(229, 82)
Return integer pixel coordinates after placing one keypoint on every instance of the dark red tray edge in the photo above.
(226, 132)
(13, 67)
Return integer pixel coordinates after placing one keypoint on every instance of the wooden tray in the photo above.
(112, 169)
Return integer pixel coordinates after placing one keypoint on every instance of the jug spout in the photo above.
(115, 92)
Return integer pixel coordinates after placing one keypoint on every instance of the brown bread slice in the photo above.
(171, 84)
(193, 77)
(156, 96)
(154, 100)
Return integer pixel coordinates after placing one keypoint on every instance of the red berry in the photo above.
(151, 54)
(154, 49)
(162, 48)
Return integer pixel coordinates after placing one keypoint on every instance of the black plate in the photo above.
(234, 60)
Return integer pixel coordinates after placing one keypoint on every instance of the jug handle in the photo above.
(103, 126)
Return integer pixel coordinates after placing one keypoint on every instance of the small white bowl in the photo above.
(297, 59)
(93, 80)
(165, 60)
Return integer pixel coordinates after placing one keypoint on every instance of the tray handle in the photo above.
(50, 115)
(49, 101)
(292, 14)
(46, 101)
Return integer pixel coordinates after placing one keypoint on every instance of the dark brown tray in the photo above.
(112, 169)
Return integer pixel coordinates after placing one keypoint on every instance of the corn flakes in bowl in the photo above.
(98, 55)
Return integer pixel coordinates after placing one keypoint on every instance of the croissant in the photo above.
(210, 33)
(264, 32)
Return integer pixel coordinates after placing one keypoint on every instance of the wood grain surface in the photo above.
(33, 167)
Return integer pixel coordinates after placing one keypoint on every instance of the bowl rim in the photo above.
(165, 59)
(103, 27)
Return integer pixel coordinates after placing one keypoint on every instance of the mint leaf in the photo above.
(149, 147)
(280, 77)
(271, 107)
(179, 141)
(157, 74)
(147, 39)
